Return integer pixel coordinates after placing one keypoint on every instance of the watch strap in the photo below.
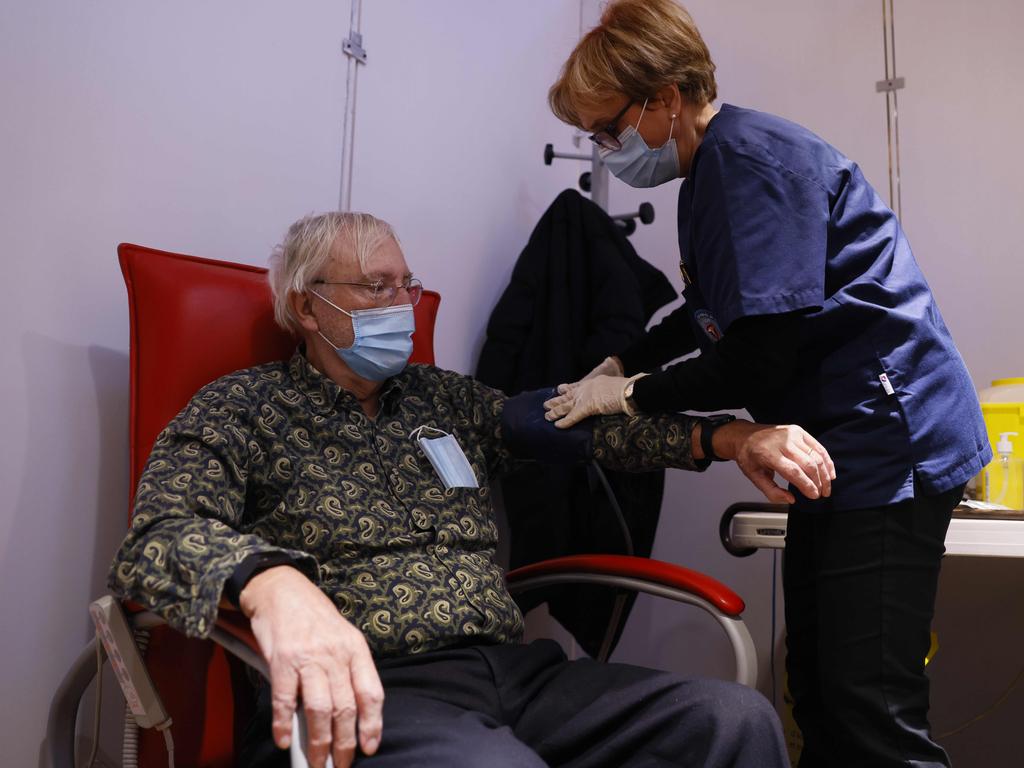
(628, 403)
(707, 430)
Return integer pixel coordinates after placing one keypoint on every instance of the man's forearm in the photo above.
(183, 584)
(646, 443)
(266, 581)
(728, 439)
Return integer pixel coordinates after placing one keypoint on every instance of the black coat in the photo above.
(579, 292)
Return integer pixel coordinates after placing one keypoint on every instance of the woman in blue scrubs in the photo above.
(805, 301)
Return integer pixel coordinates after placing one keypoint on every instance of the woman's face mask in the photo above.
(637, 164)
(383, 340)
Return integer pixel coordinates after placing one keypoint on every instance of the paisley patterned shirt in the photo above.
(279, 458)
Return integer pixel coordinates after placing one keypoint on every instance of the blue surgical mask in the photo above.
(637, 164)
(383, 340)
(447, 457)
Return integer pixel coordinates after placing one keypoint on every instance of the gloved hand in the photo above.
(610, 366)
(600, 395)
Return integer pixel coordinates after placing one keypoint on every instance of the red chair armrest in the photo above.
(131, 607)
(655, 571)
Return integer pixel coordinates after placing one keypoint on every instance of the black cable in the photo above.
(626, 536)
(771, 645)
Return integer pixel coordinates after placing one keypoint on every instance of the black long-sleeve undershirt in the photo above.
(672, 337)
(752, 363)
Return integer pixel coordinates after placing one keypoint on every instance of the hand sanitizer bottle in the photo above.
(1004, 476)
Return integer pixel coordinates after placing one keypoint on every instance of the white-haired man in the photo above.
(341, 500)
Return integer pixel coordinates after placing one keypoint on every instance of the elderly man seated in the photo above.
(341, 500)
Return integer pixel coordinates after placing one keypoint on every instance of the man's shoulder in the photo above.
(424, 375)
(234, 398)
(246, 384)
(440, 385)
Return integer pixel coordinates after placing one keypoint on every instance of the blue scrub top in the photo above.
(773, 219)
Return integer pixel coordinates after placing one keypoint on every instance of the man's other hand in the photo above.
(315, 653)
(762, 450)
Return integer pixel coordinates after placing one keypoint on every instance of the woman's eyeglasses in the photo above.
(608, 137)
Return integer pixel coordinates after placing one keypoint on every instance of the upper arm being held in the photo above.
(528, 435)
(476, 409)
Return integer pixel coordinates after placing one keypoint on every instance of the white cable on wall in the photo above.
(891, 86)
(352, 47)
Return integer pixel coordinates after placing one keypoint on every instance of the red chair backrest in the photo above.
(192, 321)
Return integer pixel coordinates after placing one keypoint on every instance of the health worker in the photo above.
(805, 301)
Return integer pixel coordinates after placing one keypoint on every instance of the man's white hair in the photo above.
(306, 250)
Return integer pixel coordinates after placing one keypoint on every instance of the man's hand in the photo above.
(761, 450)
(314, 652)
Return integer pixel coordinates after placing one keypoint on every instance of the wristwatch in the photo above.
(628, 403)
(708, 425)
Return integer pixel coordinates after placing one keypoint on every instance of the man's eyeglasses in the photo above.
(384, 295)
(608, 137)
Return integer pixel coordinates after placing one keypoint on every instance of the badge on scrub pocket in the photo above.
(446, 456)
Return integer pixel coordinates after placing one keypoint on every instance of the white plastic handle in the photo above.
(298, 748)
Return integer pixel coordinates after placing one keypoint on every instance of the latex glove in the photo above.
(314, 651)
(610, 366)
(601, 395)
(762, 450)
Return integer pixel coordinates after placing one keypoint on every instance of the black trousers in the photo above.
(860, 595)
(525, 705)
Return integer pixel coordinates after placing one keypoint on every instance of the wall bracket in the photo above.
(352, 46)
(890, 84)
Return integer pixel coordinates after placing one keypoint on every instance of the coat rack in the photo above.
(595, 181)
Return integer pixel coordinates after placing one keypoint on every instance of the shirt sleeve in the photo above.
(759, 233)
(185, 540)
(754, 363)
(645, 443)
(672, 337)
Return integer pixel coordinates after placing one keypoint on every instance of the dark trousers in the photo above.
(526, 705)
(860, 594)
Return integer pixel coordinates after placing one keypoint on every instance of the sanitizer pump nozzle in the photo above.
(1004, 447)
